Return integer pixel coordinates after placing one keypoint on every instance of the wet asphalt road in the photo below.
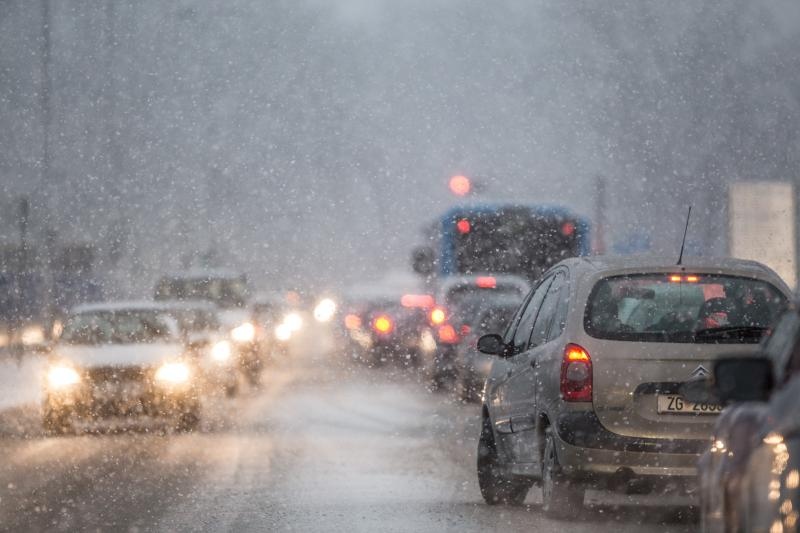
(323, 446)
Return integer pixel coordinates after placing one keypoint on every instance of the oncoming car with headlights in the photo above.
(229, 291)
(208, 344)
(117, 361)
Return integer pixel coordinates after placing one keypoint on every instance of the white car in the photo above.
(118, 361)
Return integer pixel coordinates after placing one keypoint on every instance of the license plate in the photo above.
(116, 390)
(675, 403)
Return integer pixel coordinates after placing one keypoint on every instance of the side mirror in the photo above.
(423, 260)
(743, 379)
(492, 344)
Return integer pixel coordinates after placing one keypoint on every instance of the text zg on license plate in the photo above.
(675, 403)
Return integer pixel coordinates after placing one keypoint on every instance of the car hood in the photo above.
(230, 318)
(141, 354)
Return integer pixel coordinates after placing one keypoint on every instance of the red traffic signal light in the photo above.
(460, 185)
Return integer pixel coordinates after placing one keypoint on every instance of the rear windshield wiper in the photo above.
(725, 332)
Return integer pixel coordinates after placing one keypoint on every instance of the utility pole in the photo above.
(45, 97)
(600, 223)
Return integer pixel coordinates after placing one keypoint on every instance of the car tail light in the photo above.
(424, 301)
(437, 316)
(352, 321)
(448, 335)
(383, 324)
(486, 282)
(576, 374)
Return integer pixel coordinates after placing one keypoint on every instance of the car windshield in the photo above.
(691, 308)
(116, 327)
(471, 309)
(225, 292)
(495, 319)
(470, 294)
(195, 320)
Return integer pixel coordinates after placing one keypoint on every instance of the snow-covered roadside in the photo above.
(20, 381)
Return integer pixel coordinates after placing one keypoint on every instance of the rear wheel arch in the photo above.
(542, 426)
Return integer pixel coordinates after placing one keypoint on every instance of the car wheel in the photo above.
(56, 422)
(497, 486)
(560, 497)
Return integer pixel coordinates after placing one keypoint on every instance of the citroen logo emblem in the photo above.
(699, 372)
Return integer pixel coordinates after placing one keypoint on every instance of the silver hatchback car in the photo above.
(585, 389)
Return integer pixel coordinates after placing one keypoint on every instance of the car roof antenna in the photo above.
(685, 230)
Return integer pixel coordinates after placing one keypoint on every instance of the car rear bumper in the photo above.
(587, 448)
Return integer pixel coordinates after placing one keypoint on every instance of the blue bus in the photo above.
(524, 240)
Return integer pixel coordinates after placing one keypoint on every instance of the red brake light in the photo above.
(383, 324)
(438, 316)
(486, 282)
(692, 279)
(352, 321)
(567, 229)
(675, 278)
(576, 374)
(447, 334)
(463, 226)
(417, 300)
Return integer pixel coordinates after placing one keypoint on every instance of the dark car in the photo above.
(749, 476)
(453, 294)
(475, 318)
(385, 330)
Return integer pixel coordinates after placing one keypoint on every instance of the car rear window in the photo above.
(690, 308)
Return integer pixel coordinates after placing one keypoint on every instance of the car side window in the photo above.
(547, 313)
(523, 333)
(560, 321)
(511, 328)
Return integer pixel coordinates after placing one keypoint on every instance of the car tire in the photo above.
(56, 422)
(496, 484)
(561, 498)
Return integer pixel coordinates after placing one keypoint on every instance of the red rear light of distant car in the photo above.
(383, 324)
(486, 282)
(448, 335)
(352, 321)
(424, 301)
(576, 374)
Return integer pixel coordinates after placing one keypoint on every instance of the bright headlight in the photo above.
(293, 321)
(174, 373)
(244, 333)
(32, 335)
(221, 351)
(283, 332)
(61, 376)
(325, 310)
